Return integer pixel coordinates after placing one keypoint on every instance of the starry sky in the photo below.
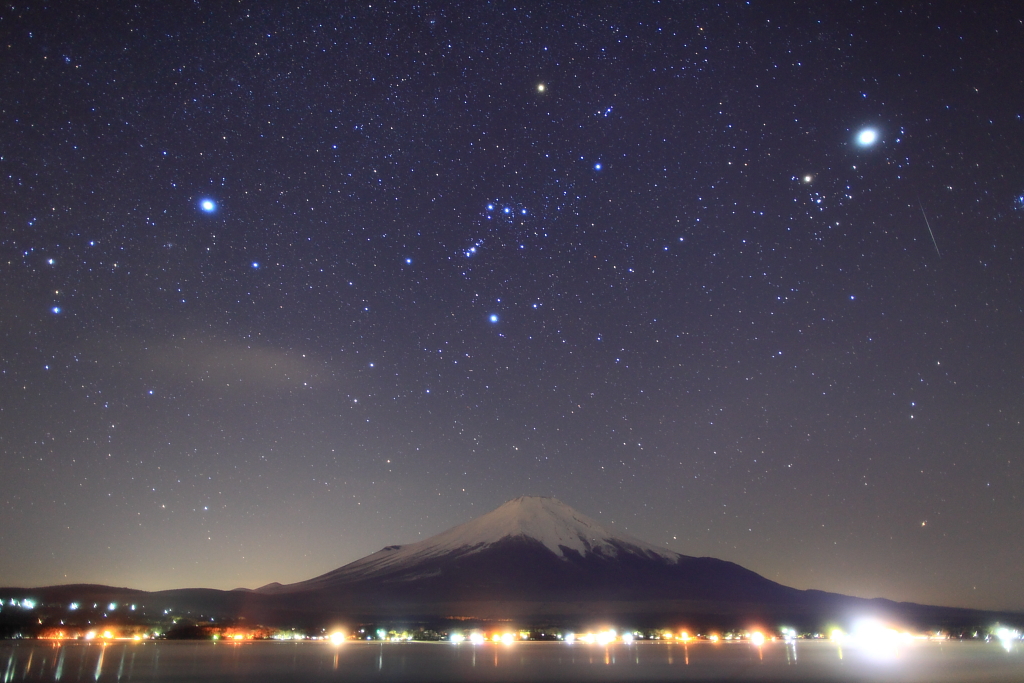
(283, 283)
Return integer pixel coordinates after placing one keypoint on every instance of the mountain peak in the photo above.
(551, 522)
(547, 521)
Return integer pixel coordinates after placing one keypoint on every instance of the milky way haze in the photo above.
(281, 284)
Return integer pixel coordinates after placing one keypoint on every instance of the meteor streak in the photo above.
(936, 244)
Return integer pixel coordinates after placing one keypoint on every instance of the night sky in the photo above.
(281, 284)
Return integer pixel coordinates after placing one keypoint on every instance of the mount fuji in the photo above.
(537, 556)
(532, 560)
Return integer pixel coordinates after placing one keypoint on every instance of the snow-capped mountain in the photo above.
(554, 525)
(532, 559)
(531, 550)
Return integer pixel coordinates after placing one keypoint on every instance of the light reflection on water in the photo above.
(164, 661)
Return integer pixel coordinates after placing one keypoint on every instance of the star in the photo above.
(867, 137)
(493, 317)
(207, 205)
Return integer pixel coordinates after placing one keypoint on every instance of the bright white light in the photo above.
(757, 638)
(493, 318)
(1006, 637)
(570, 638)
(28, 604)
(73, 606)
(541, 87)
(337, 637)
(875, 638)
(627, 638)
(867, 137)
(605, 637)
(508, 638)
(207, 205)
(476, 638)
(456, 637)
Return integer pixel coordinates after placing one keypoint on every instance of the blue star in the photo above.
(408, 261)
(55, 310)
(507, 210)
(490, 207)
(493, 318)
(597, 166)
(207, 205)
(867, 137)
(255, 265)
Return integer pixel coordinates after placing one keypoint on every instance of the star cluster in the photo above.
(284, 284)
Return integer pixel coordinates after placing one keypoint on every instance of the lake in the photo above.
(38, 660)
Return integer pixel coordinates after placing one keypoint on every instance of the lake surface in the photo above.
(164, 661)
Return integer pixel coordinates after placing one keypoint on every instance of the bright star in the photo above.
(867, 137)
(493, 318)
(408, 261)
(207, 205)
(55, 310)
(255, 264)
(597, 166)
(541, 87)
(490, 207)
(508, 210)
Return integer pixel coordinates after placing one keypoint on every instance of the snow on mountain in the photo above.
(545, 520)
(548, 520)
